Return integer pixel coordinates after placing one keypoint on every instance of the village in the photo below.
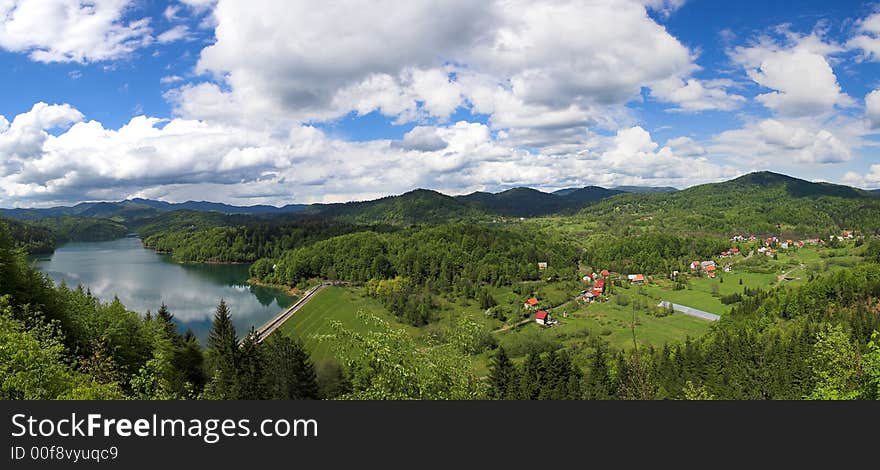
(597, 285)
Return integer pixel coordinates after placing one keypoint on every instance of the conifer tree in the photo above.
(250, 367)
(599, 384)
(222, 356)
(289, 372)
(502, 377)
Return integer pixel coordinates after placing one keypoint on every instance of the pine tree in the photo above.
(167, 319)
(222, 356)
(532, 377)
(502, 377)
(599, 385)
(289, 373)
(250, 378)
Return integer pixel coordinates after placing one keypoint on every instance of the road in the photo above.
(691, 311)
(270, 326)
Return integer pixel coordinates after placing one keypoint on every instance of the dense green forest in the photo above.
(759, 203)
(245, 243)
(62, 343)
(419, 262)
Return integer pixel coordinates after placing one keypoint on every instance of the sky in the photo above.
(294, 101)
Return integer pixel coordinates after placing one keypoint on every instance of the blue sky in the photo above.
(278, 102)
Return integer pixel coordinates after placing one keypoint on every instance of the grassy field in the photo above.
(333, 303)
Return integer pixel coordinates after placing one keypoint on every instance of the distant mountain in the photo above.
(139, 208)
(646, 189)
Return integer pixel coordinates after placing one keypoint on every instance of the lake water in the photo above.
(143, 279)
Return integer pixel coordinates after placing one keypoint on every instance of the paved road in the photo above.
(264, 331)
(691, 311)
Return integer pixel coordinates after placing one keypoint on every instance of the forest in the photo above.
(63, 343)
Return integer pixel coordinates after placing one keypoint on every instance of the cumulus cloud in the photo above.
(71, 30)
(872, 108)
(515, 60)
(697, 95)
(781, 142)
(797, 69)
(867, 180)
(178, 158)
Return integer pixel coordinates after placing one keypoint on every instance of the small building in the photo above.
(542, 317)
(605, 273)
(733, 251)
(597, 293)
(695, 266)
(587, 278)
(711, 271)
(636, 278)
(800, 244)
(724, 254)
(600, 285)
(542, 265)
(531, 303)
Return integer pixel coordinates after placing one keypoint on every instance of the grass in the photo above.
(333, 303)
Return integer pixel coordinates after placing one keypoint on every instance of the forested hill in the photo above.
(527, 202)
(762, 202)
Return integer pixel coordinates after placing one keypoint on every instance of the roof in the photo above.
(710, 268)
(639, 277)
(734, 250)
(599, 284)
(541, 315)
(532, 301)
(605, 272)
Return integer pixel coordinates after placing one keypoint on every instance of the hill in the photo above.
(527, 202)
(762, 202)
(646, 189)
(414, 207)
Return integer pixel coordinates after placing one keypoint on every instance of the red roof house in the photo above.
(542, 317)
(600, 284)
(605, 272)
(533, 301)
(733, 250)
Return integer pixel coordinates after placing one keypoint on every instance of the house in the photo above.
(727, 268)
(600, 284)
(542, 266)
(636, 278)
(847, 234)
(711, 271)
(712, 275)
(800, 244)
(588, 296)
(695, 265)
(588, 278)
(597, 292)
(705, 265)
(605, 273)
(733, 251)
(762, 250)
(724, 254)
(531, 303)
(783, 245)
(542, 317)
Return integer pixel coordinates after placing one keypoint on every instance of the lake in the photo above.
(143, 279)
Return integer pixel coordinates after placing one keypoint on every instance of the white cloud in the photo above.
(798, 70)
(71, 30)
(685, 146)
(872, 108)
(867, 39)
(169, 79)
(869, 180)
(174, 34)
(774, 142)
(516, 60)
(697, 95)
(181, 157)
